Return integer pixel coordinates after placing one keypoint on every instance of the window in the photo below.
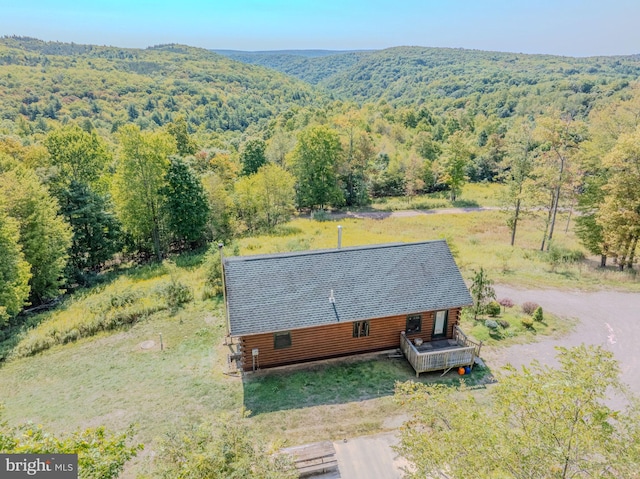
(282, 340)
(360, 329)
(414, 323)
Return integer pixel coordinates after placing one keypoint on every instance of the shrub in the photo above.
(491, 324)
(320, 215)
(504, 323)
(537, 315)
(559, 254)
(176, 293)
(213, 269)
(118, 299)
(492, 309)
(527, 323)
(506, 303)
(529, 307)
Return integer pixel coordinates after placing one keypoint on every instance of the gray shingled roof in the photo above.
(281, 292)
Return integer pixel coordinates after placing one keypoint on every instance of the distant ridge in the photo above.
(297, 53)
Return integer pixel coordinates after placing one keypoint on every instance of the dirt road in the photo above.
(607, 318)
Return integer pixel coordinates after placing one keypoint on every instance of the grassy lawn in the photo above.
(111, 379)
(473, 195)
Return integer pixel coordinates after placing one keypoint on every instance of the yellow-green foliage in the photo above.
(123, 302)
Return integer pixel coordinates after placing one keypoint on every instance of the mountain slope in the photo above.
(50, 81)
(502, 84)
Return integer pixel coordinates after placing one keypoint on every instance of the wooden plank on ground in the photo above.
(313, 458)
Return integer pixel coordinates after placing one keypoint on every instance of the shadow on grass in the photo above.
(465, 204)
(338, 382)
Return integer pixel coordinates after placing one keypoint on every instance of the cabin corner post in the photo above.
(224, 292)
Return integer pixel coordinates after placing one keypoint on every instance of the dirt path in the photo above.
(607, 318)
(379, 215)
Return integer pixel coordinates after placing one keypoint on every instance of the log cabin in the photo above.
(303, 306)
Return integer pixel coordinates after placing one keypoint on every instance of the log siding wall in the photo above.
(337, 339)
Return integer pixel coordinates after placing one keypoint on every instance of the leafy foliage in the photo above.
(252, 156)
(223, 450)
(43, 234)
(481, 291)
(138, 182)
(315, 162)
(14, 270)
(540, 422)
(184, 204)
(101, 454)
(265, 199)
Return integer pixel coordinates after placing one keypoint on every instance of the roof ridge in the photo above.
(286, 254)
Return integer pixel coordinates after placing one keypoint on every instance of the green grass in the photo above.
(109, 379)
(473, 195)
(334, 382)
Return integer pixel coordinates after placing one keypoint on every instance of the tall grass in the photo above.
(127, 300)
(479, 238)
(473, 195)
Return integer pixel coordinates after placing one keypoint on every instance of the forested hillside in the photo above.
(42, 81)
(504, 84)
(311, 66)
(114, 156)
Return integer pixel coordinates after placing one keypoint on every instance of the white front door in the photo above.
(440, 324)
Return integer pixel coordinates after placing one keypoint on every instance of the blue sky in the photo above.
(565, 27)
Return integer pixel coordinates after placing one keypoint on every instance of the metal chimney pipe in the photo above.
(339, 236)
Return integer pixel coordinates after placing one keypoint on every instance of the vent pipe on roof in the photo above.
(339, 236)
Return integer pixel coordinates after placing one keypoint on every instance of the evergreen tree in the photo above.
(185, 203)
(252, 156)
(96, 231)
(481, 291)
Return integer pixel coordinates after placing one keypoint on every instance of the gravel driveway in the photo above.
(607, 318)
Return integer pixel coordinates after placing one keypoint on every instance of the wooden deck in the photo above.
(441, 355)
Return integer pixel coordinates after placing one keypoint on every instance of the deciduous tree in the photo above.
(560, 138)
(619, 214)
(315, 165)
(266, 198)
(518, 166)
(44, 235)
(453, 162)
(539, 422)
(14, 270)
(142, 164)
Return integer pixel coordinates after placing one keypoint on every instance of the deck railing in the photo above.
(463, 340)
(462, 355)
